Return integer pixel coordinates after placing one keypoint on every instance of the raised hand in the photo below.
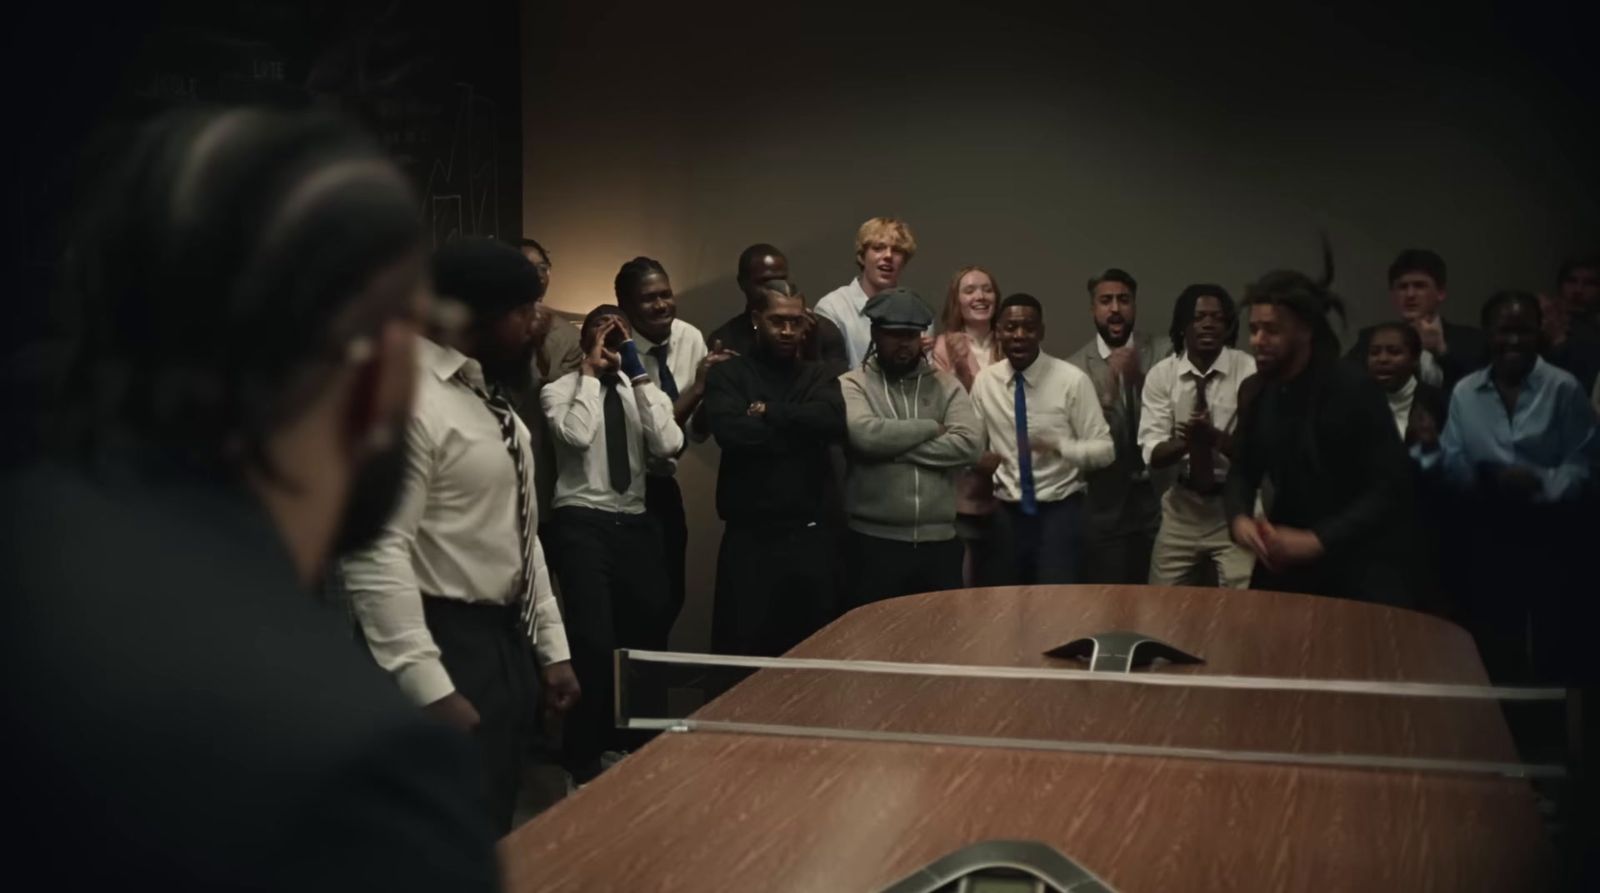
(1431, 331)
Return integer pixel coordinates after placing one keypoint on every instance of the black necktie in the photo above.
(501, 408)
(669, 385)
(1201, 461)
(616, 438)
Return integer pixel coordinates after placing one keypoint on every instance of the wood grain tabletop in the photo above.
(714, 811)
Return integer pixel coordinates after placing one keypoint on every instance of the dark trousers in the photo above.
(1524, 595)
(663, 501)
(776, 585)
(1046, 545)
(884, 568)
(615, 595)
(1119, 558)
(491, 664)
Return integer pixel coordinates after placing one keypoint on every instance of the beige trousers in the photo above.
(1194, 532)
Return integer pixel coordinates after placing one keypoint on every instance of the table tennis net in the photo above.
(1403, 726)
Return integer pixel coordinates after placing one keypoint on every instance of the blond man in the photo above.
(884, 245)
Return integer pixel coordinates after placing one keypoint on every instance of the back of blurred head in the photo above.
(251, 285)
(497, 291)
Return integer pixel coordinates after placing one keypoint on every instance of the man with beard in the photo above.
(1340, 518)
(238, 399)
(1417, 281)
(1122, 512)
(910, 429)
(1045, 428)
(455, 591)
(608, 420)
(884, 245)
(774, 415)
(759, 264)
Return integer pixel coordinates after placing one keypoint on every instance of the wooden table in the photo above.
(709, 811)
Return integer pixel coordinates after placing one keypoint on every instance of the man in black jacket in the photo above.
(760, 264)
(1449, 351)
(774, 415)
(1321, 432)
(183, 714)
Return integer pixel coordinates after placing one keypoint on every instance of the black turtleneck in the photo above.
(775, 468)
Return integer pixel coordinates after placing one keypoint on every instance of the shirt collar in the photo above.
(1218, 366)
(646, 345)
(1536, 376)
(860, 295)
(1101, 345)
(445, 362)
(1031, 374)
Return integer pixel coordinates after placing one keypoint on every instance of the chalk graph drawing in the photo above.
(461, 193)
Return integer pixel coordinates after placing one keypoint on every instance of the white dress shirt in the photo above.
(1062, 408)
(574, 404)
(1400, 401)
(1169, 395)
(843, 307)
(686, 347)
(453, 533)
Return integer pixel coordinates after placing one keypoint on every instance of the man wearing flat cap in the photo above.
(910, 429)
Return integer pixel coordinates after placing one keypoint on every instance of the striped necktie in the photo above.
(503, 413)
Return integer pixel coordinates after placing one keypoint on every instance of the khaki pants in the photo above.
(1194, 530)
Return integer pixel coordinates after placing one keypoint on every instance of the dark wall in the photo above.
(436, 81)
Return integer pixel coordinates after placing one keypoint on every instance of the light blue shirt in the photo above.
(1550, 432)
(843, 307)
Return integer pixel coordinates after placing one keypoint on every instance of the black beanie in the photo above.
(491, 278)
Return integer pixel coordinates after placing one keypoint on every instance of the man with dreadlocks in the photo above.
(1319, 432)
(1191, 401)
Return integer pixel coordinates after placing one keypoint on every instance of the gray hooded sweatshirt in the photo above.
(901, 482)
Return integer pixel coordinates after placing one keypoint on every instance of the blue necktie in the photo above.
(1030, 504)
(669, 385)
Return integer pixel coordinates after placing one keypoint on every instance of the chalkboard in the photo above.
(437, 83)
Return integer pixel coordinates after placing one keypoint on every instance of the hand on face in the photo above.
(601, 359)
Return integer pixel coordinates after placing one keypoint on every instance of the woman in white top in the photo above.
(1393, 355)
(965, 347)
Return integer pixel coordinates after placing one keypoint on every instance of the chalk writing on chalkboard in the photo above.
(450, 147)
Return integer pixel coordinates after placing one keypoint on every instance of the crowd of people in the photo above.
(864, 457)
(305, 388)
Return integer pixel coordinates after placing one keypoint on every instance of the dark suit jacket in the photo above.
(184, 716)
(1431, 400)
(1469, 352)
(561, 354)
(1121, 498)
